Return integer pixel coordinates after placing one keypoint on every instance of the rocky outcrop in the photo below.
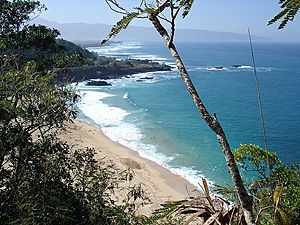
(111, 70)
(101, 67)
(98, 83)
(144, 79)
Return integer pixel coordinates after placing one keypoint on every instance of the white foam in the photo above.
(130, 136)
(125, 132)
(121, 50)
(149, 57)
(193, 176)
(245, 67)
(205, 68)
(216, 69)
(232, 69)
(111, 120)
(115, 47)
(104, 115)
(157, 76)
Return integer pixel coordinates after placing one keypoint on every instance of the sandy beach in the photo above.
(160, 184)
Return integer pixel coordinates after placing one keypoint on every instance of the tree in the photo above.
(276, 188)
(29, 102)
(23, 42)
(289, 10)
(155, 12)
(43, 180)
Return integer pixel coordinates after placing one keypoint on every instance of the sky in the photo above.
(215, 15)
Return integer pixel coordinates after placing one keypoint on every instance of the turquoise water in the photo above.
(157, 117)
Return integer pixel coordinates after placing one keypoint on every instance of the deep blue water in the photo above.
(158, 118)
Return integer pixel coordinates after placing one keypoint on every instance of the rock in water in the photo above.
(236, 66)
(98, 83)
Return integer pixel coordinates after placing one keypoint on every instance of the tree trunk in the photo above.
(212, 122)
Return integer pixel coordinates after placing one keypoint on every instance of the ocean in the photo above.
(158, 119)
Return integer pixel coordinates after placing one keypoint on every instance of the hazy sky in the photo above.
(216, 15)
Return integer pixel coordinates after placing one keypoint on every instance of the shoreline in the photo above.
(161, 184)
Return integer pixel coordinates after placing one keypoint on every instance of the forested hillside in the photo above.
(93, 66)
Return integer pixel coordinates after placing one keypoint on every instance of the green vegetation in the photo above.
(289, 10)
(269, 200)
(40, 44)
(163, 15)
(110, 68)
(276, 191)
(42, 179)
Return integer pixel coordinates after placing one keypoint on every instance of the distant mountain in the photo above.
(86, 31)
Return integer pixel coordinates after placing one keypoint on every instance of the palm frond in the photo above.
(289, 10)
(120, 25)
(187, 4)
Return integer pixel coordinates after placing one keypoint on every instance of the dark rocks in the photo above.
(236, 66)
(218, 67)
(97, 83)
(144, 78)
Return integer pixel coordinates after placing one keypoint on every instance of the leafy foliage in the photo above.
(257, 158)
(289, 10)
(17, 12)
(277, 194)
(42, 179)
(120, 25)
(187, 6)
(29, 104)
(22, 42)
(289, 179)
(59, 186)
(145, 9)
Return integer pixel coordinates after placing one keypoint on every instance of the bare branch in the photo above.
(177, 11)
(114, 6)
(164, 18)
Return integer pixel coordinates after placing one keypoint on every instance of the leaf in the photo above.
(206, 190)
(277, 194)
(282, 218)
(194, 216)
(187, 7)
(212, 219)
(289, 10)
(120, 25)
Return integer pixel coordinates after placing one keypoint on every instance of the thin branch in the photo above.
(260, 211)
(142, 2)
(177, 11)
(163, 17)
(119, 10)
(163, 6)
